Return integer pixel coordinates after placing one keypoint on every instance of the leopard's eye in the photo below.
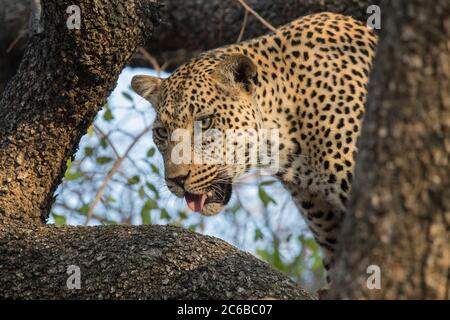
(160, 133)
(206, 123)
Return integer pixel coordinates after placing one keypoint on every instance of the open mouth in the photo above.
(219, 193)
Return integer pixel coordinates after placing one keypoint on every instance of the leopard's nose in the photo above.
(179, 180)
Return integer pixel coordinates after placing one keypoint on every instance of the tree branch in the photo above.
(122, 262)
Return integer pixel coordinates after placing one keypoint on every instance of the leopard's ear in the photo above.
(238, 69)
(147, 87)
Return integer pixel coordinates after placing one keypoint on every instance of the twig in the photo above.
(253, 12)
(21, 34)
(244, 25)
(96, 217)
(99, 132)
(151, 59)
(115, 167)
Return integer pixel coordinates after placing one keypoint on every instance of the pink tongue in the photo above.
(195, 202)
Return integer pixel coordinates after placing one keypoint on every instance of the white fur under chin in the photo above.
(211, 209)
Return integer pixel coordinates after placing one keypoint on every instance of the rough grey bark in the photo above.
(13, 22)
(120, 262)
(195, 26)
(62, 82)
(400, 210)
(189, 26)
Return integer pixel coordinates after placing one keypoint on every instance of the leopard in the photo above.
(308, 80)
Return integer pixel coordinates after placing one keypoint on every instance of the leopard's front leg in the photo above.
(323, 212)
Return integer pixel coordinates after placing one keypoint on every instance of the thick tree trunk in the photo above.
(62, 82)
(189, 26)
(400, 211)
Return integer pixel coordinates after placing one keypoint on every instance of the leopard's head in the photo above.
(213, 95)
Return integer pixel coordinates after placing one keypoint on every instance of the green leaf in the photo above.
(133, 180)
(277, 261)
(71, 176)
(152, 204)
(110, 199)
(265, 255)
(289, 237)
(90, 131)
(267, 183)
(148, 206)
(88, 151)
(145, 215)
(182, 215)
(151, 152)
(68, 164)
(273, 257)
(103, 143)
(311, 244)
(141, 192)
(165, 215)
(258, 235)
(84, 209)
(265, 198)
(317, 265)
(153, 188)
(111, 222)
(60, 220)
(108, 116)
(154, 168)
(103, 160)
(127, 96)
